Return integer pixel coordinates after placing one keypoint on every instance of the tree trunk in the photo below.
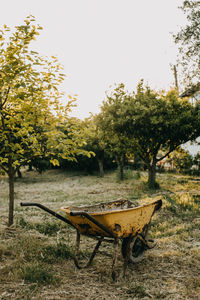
(19, 174)
(120, 163)
(101, 170)
(11, 192)
(121, 171)
(152, 176)
(30, 168)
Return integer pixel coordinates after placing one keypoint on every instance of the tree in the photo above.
(189, 40)
(94, 141)
(157, 121)
(30, 107)
(181, 160)
(116, 143)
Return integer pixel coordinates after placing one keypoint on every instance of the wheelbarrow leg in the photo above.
(115, 250)
(128, 254)
(77, 250)
(94, 252)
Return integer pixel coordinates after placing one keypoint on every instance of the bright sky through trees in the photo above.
(102, 42)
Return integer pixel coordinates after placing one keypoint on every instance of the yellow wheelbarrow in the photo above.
(111, 222)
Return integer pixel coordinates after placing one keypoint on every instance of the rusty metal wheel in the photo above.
(134, 248)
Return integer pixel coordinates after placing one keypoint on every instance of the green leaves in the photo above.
(34, 122)
(188, 39)
(32, 117)
(146, 123)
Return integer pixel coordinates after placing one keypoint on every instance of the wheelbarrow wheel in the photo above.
(134, 248)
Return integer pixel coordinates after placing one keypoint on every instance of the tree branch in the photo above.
(3, 168)
(143, 157)
(161, 158)
(6, 97)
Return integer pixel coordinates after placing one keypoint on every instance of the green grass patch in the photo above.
(37, 273)
(46, 228)
(54, 253)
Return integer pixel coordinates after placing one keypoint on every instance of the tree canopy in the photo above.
(188, 39)
(116, 143)
(31, 111)
(152, 121)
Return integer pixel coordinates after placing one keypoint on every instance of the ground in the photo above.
(36, 252)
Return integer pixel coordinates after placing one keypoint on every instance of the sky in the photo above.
(103, 42)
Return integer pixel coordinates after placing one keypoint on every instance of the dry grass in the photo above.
(36, 252)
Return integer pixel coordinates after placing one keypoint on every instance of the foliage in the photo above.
(40, 164)
(87, 164)
(31, 111)
(181, 160)
(94, 146)
(188, 39)
(95, 141)
(73, 139)
(116, 143)
(29, 95)
(153, 121)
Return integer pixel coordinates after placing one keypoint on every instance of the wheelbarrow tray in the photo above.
(121, 217)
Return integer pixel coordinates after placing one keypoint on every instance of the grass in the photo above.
(137, 290)
(37, 273)
(47, 228)
(36, 252)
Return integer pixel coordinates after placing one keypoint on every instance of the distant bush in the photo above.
(86, 164)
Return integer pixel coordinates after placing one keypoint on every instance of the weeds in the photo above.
(24, 224)
(37, 273)
(34, 259)
(52, 253)
(47, 228)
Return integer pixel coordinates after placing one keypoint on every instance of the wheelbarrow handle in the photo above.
(93, 220)
(51, 212)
